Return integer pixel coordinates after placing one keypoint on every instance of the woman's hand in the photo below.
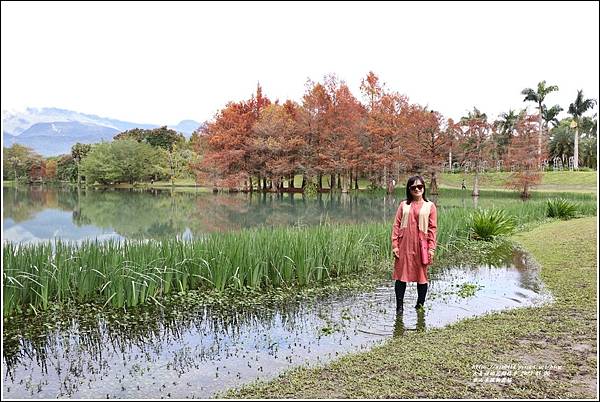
(431, 253)
(396, 253)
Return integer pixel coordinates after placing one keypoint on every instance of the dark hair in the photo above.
(409, 183)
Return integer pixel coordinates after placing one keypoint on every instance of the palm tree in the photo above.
(561, 141)
(549, 115)
(577, 109)
(506, 125)
(538, 97)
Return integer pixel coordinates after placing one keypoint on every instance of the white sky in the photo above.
(163, 62)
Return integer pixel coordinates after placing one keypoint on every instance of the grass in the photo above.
(551, 181)
(441, 363)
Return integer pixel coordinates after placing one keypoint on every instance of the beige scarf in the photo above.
(423, 216)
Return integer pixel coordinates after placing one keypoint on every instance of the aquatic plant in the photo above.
(489, 223)
(561, 208)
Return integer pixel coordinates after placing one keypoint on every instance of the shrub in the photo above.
(561, 208)
(489, 223)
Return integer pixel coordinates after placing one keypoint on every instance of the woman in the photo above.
(413, 241)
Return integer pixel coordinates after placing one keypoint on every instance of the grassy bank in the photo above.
(581, 181)
(551, 181)
(440, 363)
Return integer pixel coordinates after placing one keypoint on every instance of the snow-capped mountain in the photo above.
(52, 131)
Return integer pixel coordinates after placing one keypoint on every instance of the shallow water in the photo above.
(206, 351)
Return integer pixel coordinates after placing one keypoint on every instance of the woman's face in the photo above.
(417, 188)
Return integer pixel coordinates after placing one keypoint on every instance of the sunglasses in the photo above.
(417, 187)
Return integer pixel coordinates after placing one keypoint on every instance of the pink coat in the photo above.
(409, 268)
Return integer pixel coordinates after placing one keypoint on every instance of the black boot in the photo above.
(421, 292)
(399, 288)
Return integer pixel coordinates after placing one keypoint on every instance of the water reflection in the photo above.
(194, 352)
(38, 214)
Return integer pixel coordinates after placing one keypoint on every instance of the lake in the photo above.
(34, 214)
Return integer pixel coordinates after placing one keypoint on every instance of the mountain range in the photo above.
(52, 131)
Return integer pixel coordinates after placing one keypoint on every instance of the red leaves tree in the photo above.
(426, 143)
(276, 144)
(345, 119)
(228, 157)
(384, 129)
(314, 124)
(523, 156)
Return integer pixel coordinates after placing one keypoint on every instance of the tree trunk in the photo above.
(172, 166)
(303, 181)
(320, 181)
(476, 184)
(385, 181)
(339, 179)
(251, 185)
(332, 183)
(356, 181)
(540, 136)
(525, 193)
(291, 182)
(344, 182)
(576, 149)
(78, 175)
(433, 188)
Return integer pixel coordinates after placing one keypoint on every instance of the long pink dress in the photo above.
(409, 268)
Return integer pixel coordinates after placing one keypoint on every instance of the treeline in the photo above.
(331, 138)
(257, 143)
(137, 155)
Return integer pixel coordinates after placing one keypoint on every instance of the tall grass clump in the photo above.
(489, 223)
(561, 208)
(130, 273)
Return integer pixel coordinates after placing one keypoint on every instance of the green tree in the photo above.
(538, 97)
(577, 109)
(78, 152)
(561, 141)
(66, 168)
(506, 126)
(549, 115)
(589, 152)
(118, 161)
(161, 137)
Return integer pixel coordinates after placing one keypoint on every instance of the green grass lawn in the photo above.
(551, 181)
(439, 363)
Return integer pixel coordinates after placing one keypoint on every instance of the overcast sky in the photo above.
(163, 62)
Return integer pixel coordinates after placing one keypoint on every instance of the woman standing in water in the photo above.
(413, 241)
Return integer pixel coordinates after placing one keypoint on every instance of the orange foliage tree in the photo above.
(426, 143)
(385, 128)
(228, 154)
(523, 157)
